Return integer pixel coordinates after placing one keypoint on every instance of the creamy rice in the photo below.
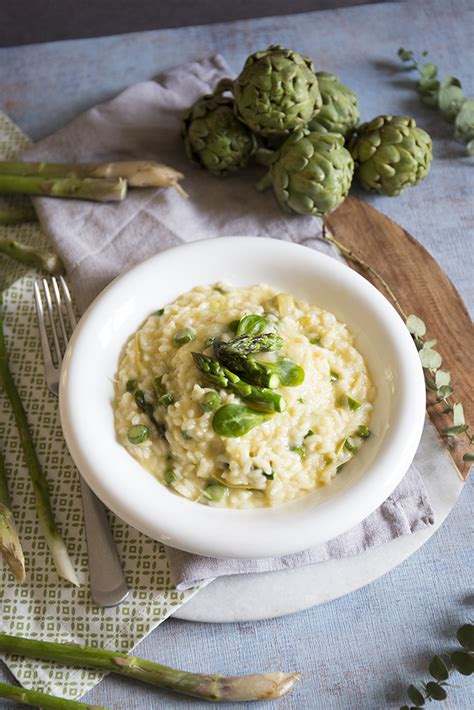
(283, 458)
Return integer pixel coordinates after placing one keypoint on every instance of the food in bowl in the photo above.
(242, 397)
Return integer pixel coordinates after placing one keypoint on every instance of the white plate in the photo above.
(251, 597)
(87, 392)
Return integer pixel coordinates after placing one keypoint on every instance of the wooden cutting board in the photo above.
(422, 288)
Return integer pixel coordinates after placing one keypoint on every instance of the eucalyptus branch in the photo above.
(437, 380)
(441, 668)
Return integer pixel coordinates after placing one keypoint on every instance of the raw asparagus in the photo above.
(262, 686)
(41, 700)
(45, 260)
(17, 215)
(40, 484)
(220, 376)
(137, 173)
(107, 190)
(10, 546)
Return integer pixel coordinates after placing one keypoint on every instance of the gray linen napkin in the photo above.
(99, 241)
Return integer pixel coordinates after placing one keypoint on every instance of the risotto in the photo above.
(242, 397)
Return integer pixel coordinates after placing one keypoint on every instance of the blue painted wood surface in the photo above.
(363, 650)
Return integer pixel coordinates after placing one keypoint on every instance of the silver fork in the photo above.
(56, 317)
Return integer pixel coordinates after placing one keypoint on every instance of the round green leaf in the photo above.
(416, 326)
(465, 636)
(435, 691)
(451, 97)
(443, 377)
(430, 358)
(415, 696)
(438, 669)
(463, 662)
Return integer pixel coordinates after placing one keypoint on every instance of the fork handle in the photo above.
(107, 580)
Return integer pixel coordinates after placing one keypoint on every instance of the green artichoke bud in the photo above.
(340, 110)
(276, 92)
(311, 173)
(390, 153)
(214, 138)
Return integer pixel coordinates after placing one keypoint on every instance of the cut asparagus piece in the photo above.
(40, 483)
(41, 700)
(47, 261)
(249, 345)
(137, 173)
(107, 190)
(220, 376)
(261, 686)
(17, 215)
(250, 370)
(10, 546)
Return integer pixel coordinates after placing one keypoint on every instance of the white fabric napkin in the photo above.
(99, 241)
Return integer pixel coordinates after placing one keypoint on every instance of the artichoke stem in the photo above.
(222, 86)
(264, 183)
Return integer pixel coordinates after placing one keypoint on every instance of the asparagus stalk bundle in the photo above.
(40, 484)
(40, 259)
(10, 546)
(107, 190)
(41, 700)
(235, 356)
(17, 215)
(220, 376)
(137, 173)
(261, 686)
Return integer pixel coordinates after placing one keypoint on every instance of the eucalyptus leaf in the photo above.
(405, 55)
(430, 358)
(450, 97)
(463, 662)
(416, 326)
(429, 344)
(455, 430)
(429, 71)
(415, 696)
(435, 691)
(458, 414)
(443, 377)
(438, 669)
(444, 391)
(468, 457)
(470, 147)
(465, 635)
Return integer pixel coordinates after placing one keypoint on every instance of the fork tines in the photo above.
(56, 319)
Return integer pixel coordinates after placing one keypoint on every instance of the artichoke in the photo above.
(276, 92)
(340, 109)
(214, 138)
(311, 173)
(390, 153)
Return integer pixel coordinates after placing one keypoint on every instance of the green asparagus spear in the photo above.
(17, 215)
(41, 700)
(47, 261)
(262, 686)
(234, 420)
(10, 546)
(40, 484)
(107, 190)
(220, 376)
(249, 345)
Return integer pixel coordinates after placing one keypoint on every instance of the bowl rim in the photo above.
(212, 531)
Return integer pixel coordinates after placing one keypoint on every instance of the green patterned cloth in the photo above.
(46, 607)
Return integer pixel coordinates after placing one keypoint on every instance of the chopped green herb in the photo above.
(158, 387)
(170, 476)
(184, 336)
(363, 431)
(210, 401)
(333, 376)
(297, 450)
(166, 400)
(138, 433)
(269, 476)
(131, 386)
(352, 403)
(215, 492)
(219, 289)
(310, 432)
(316, 340)
(349, 445)
(159, 312)
(300, 400)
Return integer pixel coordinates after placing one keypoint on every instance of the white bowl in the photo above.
(86, 395)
